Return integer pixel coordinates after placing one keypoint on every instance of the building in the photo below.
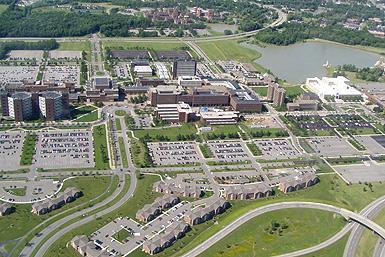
(151, 211)
(189, 81)
(219, 117)
(276, 94)
(244, 101)
(332, 87)
(87, 248)
(101, 83)
(53, 105)
(183, 189)
(174, 113)
(245, 192)
(298, 182)
(6, 209)
(212, 208)
(305, 102)
(184, 68)
(143, 70)
(18, 106)
(50, 204)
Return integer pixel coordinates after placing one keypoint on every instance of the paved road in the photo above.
(369, 211)
(279, 206)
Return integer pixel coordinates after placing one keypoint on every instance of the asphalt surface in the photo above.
(279, 206)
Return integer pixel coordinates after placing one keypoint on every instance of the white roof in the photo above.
(331, 86)
(141, 69)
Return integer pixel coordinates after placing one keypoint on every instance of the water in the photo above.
(297, 62)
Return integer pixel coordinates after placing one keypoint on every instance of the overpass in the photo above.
(349, 215)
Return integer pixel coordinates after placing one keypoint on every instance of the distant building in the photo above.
(219, 117)
(332, 87)
(189, 81)
(143, 70)
(244, 101)
(305, 102)
(174, 113)
(298, 182)
(276, 94)
(53, 105)
(17, 106)
(184, 68)
(102, 83)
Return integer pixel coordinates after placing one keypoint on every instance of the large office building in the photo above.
(17, 106)
(174, 113)
(184, 68)
(53, 105)
(332, 87)
(276, 94)
(219, 117)
(244, 101)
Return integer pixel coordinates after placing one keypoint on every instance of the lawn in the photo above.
(222, 132)
(17, 191)
(168, 134)
(156, 46)
(123, 153)
(120, 113)
(206, 151)
(261, 91)
(100, 147)
(3, 7)
(28, 150)
(22, 220)
(293, 91)
(129, 209)
(118, 125)
(278, 232)
(121, 235)
(75, 46)
(229, 50)
(335, 250)
(254, 149)
(80, 111)
(90, 117)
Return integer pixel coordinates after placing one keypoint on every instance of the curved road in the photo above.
(279, 206)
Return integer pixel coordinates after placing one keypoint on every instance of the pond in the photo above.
(297, 62)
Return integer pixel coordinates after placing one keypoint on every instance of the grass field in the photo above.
(205, 149)
(90, 117)
(123, 153)
(229, 50)
(86, 109)
(129, 208)
(118, 125)
(278, 232)
(3, 7)
(170, 133)
(120, 113)
(28, 150)
(19, 223)
(261, 91)
(157, 46)
(100, 147)
(17, 191)
(293, 91)
(335, 250)
(75, 46)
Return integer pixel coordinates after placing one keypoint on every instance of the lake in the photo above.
(297, 62)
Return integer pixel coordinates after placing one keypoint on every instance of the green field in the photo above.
(28, 150)
(89, 117)
(123, 154)
(118, 125)
(121, 235)
(293, 91)
(254, 149)
(229, 50)
(129, 209)
(80, 111)
(22, 220)
(335, 250)
(3, 7)
(278, 232)
(120, 113)
(100, 147)
(169, 134)
(75, 46)
(206, 151)
(17, 191)
(156, 46)
(222, 132)
(261, 91)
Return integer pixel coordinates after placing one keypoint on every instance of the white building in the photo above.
(219, 117)
(174, 113)
(20, 106)
(143, 71)
(189, 81)
(51, 105)
(332, 87)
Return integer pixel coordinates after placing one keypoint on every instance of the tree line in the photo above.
(45, 45)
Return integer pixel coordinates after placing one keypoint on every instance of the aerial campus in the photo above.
(192, 128)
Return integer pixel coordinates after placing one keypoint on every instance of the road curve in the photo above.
(280, 206)
(369, 211)
(42, 250)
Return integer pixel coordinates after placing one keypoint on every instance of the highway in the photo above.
(280, 206)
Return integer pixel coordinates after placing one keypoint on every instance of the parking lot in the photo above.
(55, 54)
(367, 172)
(34, 190)
(229, 151)
(373, 144)
(62, 73)
(331, 146)
(20, 55)
(173, 153)
(65, 149)
(11, 144)
(276, 149)
(17, 74)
